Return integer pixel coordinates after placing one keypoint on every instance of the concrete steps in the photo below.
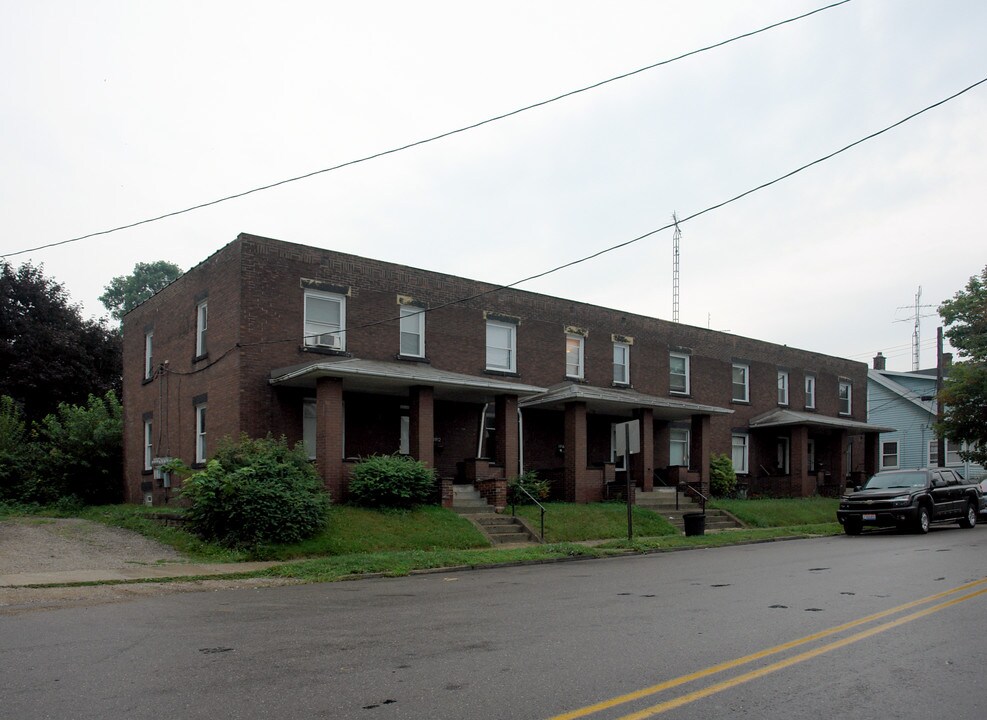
(662, 502)
(500, 530)
(466, 500)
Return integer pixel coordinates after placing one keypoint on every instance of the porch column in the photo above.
(643, 463)
(575, 451)
(699, 450)
(840, 466)
(798, 460)
(329, 434)
(872, 453)
(508, 439)
(421, 425)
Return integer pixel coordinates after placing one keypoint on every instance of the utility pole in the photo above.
(676, 236)
(940, 440)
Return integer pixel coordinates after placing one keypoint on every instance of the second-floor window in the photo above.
(201, 325)
(678, 373)
(501, 345)
(412, 331)
(325, 317)
(741, 383)
(846, 397)
(621, 363)
(574, 345)
(782, 387)
(810, 391)
(148, 355)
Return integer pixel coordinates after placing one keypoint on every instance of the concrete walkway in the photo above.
(131, 574)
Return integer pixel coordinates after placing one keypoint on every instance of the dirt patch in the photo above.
(40, 545)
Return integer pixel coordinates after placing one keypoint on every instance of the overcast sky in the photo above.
(113, 112)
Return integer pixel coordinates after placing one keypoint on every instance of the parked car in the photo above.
(911, 499)
(983, 498)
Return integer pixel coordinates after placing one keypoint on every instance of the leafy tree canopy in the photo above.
(48, 353)
(125, 292)
(964, 394)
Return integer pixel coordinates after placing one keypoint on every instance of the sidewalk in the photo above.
(131, 574)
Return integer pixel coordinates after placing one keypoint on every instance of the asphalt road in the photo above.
(667, 635)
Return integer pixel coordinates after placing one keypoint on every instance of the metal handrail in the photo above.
(521, 487)
(687, 488)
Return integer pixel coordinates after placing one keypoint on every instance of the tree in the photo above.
(964, 393)
(48, 353)
(125, 292)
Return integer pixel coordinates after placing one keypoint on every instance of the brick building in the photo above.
(354, 356)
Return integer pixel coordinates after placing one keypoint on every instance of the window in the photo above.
(309, 427)
(404, 442)
(678, 447)
(621, 363)
(148, 444)
(739, 453)
(782, 455)
(952, 453)
(846, 397)
(889, 455)
(200, 434)
(574, 355)
(741, 383)
(782, 387)
(678, 373)
(201, 325)
(501, 343)
(325, 318)
(619, 461)
(412, 331)
(811, 447)
(810, 391)
(149, 355)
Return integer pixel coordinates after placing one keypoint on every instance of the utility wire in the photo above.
(440, 136)
(694, 215)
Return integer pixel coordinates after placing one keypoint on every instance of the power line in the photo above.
(618, 246)
(434, 138)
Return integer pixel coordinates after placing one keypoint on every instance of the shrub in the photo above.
(539, 489)
(254, 492)
(16, 467)
(391, 481)
(722, 478)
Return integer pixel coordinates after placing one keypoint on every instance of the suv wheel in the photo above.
(852, 526)
(969, 518)
(923, 520)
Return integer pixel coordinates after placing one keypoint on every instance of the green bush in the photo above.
(256, 492)
(16, 466)
(394, 481)
(722, 478)
(539, 489)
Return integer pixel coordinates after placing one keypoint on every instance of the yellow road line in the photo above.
(760, 655)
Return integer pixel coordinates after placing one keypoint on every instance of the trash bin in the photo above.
(695, 523)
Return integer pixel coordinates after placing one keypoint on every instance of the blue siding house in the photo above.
(907, 401)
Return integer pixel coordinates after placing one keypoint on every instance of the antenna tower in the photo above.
(676, 236)
(917, 332)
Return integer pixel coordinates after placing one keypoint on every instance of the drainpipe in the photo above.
(520, 443)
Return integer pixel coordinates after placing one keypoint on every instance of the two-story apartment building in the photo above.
(353, 356)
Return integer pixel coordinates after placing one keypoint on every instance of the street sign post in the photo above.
(628, 442)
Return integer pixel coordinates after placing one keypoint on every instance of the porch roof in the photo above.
(782, 418)
(377, 376)
(618, 401)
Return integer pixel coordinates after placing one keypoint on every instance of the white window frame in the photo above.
(885, 454)
(149, 355)
(310, 427)
(404, 440)
(412, 324)
(686, 375)
(200, 433)
(784, 454)
(322, 334)
(201, 326)
(783, 387)
(148, 444)
(575, 353)
(621, 363)
(847, 401)
(950, 450)
(511, 349)
(810, 392)
(746, 383)
(678, 437)
(810, 446)
(619, 462)
(740, 441)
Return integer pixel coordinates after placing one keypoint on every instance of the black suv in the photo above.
(910, 499)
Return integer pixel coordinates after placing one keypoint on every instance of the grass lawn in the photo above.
(569, 522)
(786, 512)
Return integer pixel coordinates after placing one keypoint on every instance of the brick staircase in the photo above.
(499, 529)
(662, 501)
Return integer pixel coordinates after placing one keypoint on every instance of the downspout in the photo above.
(520, 443)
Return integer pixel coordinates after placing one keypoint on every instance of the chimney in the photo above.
(880, 361)
(947, 361)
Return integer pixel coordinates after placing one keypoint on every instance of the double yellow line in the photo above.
(976, 587)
